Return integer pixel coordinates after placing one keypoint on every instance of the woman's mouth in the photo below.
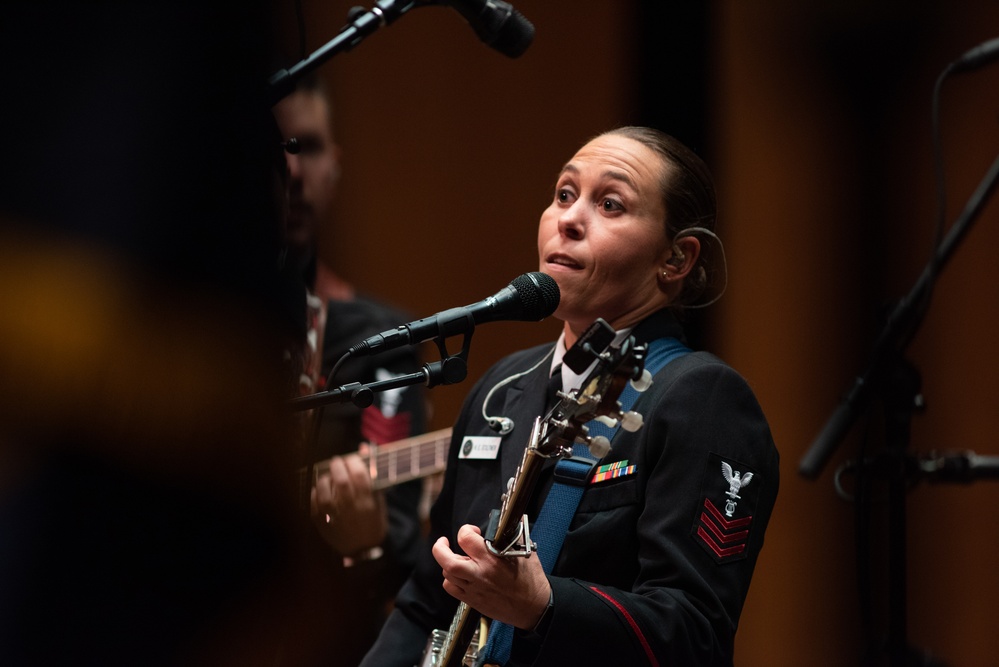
(558, 259)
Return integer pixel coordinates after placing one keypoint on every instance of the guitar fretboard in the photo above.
(403, 460)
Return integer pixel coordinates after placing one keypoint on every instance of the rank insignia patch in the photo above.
(724, 518)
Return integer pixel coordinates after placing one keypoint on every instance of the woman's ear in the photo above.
(682, 258)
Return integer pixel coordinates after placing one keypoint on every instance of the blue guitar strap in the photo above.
(571, 476)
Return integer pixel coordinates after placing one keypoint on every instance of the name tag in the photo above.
(479, 447)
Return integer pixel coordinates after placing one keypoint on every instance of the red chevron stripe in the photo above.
(713, 527)
(726, 524)
(721, 552)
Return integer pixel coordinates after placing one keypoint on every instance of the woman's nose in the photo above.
(572, 221)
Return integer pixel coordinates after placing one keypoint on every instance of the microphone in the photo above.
(497, 24)
(974, 58)
(528, 298)
(961, 467)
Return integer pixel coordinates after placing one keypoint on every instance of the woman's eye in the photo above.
(563, 195)
(611, 205)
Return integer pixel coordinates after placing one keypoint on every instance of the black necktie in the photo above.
(554, 386)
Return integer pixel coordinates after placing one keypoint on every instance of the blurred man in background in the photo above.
(372, 538)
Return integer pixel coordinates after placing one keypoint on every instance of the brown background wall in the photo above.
(818, 130)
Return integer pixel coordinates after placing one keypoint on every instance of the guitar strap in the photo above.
(571, 476)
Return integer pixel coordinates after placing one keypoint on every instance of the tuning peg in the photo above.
(631, 421)
(642, 383)
(599, 446)
(606, 420)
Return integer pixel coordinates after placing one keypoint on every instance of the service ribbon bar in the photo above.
(611, 471)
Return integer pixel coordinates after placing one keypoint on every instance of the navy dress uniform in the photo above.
(657, 562)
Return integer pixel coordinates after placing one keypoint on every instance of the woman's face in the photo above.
(603, 237)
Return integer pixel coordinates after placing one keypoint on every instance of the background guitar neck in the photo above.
(403, 460)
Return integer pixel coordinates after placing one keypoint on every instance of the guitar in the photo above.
(508, 534)
(395, 462)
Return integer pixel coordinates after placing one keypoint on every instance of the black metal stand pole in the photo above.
(362, 24)
(902, 397)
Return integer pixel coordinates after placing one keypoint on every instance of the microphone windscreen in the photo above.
(514, 36)
(539, 295)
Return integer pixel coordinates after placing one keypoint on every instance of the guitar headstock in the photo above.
(597, 397)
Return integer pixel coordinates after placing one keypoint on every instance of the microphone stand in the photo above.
(896, 334)
(362, 23)
(898, 383)
(451, 369)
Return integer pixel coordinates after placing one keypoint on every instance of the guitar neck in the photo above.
(403, 460)
(517, 499)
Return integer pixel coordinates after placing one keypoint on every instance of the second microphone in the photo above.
(528, 298)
